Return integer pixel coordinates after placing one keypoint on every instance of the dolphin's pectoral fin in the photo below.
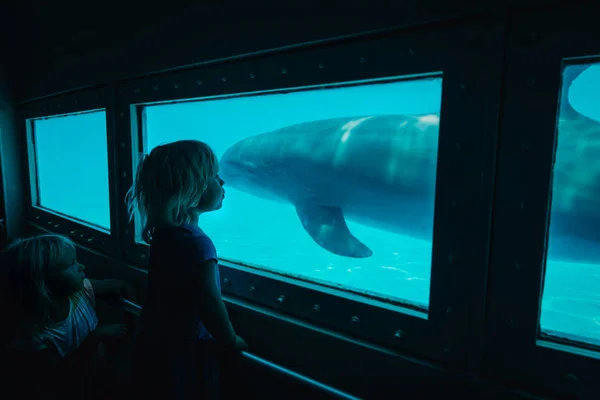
(327, 227)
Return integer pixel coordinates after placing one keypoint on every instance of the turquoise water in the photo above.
(370, 159)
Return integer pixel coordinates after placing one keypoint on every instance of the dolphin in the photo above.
(378, 170)
(574, 218)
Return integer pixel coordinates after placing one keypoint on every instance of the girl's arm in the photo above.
(215, 315)
(112, 289)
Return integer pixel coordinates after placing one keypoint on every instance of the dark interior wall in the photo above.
(66, 44)
(11, 202)
(73, 45)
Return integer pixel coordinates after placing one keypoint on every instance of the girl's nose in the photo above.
(81, 267)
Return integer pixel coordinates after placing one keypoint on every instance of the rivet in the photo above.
(81, 235)
(37, 217)
(57, 225)
(321, 66)
(451, 258)
(176, 85)
(155, 87)
(143, 256)
(281, 299)
(136, 91)
(355, 319)
(316, 308)
(72, 232)
(226, 282)
(90, 239)
(124, 174)
(363, 60)
(412, 52)
(121, 115)
(224, 79)
(462, 87)
(198, 82)
(252, 289)
(517, 266)
(522, 205)
(122, 144)
(252, 76)
(284, 71)
(398, 334)
(49, 222)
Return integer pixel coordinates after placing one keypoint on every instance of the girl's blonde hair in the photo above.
(25, 265)
(169, 184)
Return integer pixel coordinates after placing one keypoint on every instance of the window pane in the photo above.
(332, 185)
(571, 300)
(72, 166)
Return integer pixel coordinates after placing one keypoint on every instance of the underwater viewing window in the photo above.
(71, 166)
(331, 184)
(571, 297)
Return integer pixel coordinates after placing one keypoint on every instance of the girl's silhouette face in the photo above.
(66, 278)
(212, 199)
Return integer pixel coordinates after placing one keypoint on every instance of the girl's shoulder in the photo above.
(186, 241)
(88, 291)
(203, 244)
(180, 232)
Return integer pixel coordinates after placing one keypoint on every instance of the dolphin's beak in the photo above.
(227, 170)
(232, 165)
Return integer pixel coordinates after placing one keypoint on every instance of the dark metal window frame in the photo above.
(462, 201)
(540, 46)
(82, 232)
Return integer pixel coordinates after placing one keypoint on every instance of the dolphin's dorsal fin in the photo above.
(328, 228)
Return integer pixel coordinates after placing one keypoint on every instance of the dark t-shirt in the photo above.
(171, 309)
(172, 360)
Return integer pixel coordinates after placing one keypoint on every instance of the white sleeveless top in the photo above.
(68, 335)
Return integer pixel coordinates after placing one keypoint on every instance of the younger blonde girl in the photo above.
(50, 306)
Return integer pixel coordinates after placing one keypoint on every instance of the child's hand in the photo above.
(124, 289)
(115, 331)
(120, 289)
